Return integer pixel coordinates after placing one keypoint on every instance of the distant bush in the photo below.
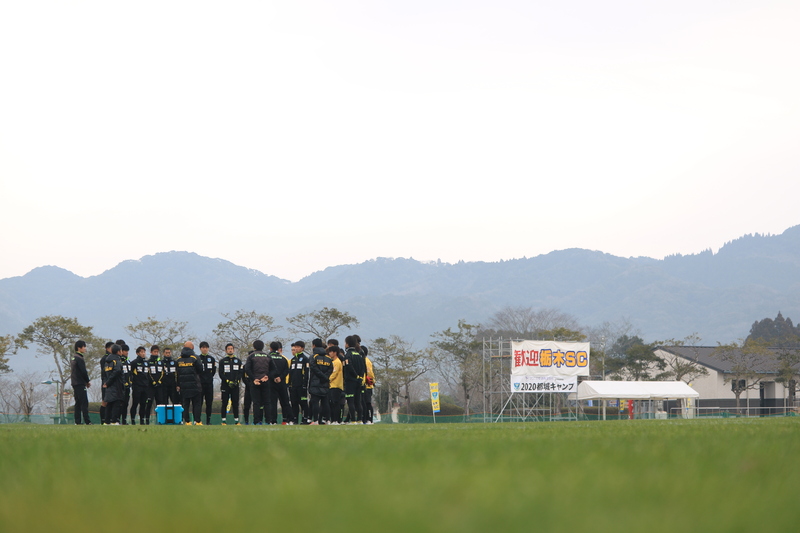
(424, 408)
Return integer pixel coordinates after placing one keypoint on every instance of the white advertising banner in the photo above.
(548, 366)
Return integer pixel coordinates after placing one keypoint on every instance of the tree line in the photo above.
(453, 356)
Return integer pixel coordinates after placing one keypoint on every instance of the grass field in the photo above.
(649, 475)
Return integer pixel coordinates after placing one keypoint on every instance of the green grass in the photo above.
(698, 475)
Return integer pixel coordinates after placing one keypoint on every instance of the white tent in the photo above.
(633, 390)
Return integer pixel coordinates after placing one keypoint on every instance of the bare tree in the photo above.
(748, 359)
(529, 323)
(680, 368)
(397, 365)
(602, 339)
(456, 356)
(241, 328)
(165, 333)
(20, 396)
(322, 324)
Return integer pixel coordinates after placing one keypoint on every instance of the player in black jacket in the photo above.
(103, 380)
(299, 374)
(207, 379)
(354, 370)
(113, 385)
(248, 394)
(231, 369)
(140, 383)
(154, 388)
(168, 383)
(124, 349)
(80, 382)
(259, 367)
(318, 384)
(279, 391)
(188, 373)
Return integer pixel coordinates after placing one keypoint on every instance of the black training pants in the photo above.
(261, 408)
(279, 392)
(139, 396)
(196, 408)
(320, 409)
(299, 398)
(233, 396)
(207, 397)
(81, 404)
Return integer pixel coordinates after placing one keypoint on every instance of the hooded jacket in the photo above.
(188, 373)
(321, 368)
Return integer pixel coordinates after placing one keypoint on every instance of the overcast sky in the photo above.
(293, 137)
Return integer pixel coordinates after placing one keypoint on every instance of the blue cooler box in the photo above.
(169, 414)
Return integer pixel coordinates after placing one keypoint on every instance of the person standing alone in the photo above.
(80, 382)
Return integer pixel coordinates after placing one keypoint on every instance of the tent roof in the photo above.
(634, 390)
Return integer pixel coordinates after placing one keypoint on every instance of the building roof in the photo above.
(704, 355)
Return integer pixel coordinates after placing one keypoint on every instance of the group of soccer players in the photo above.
(316, 389)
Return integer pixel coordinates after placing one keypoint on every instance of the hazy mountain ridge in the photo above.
(718, 295)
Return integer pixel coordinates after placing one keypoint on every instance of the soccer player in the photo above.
(259, 367)
(124, 349)
(155, 389)
(353, 368)
(318, 384)
(230, 375)
(113, 385)
(298, 382)
(336, 392)
(168, 382)
(369, 386)
(140, 381)
(207, 379)
(279, 391)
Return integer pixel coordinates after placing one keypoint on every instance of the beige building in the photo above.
(759, 392)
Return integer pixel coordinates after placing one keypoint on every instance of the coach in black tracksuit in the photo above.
(207, 379)
(299, 374)
(231, 369)
(140, 383)
(80, 382)
(259, 367)
(279, 391)
(113, 385)
(188, 373)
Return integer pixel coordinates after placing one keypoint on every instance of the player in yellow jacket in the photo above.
(336, 391)
(369, 380)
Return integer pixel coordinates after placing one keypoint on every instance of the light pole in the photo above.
(58, 399)
(604, 357)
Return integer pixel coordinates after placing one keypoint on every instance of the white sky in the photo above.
(293, 137)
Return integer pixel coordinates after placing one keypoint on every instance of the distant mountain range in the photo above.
(718, 295)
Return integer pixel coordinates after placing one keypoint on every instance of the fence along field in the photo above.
(641, 475)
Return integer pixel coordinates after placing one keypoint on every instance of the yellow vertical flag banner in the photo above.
(435, 397)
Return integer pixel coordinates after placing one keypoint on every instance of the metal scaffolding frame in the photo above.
(501, 404)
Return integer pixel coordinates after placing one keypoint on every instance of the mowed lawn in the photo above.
(648, 475)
